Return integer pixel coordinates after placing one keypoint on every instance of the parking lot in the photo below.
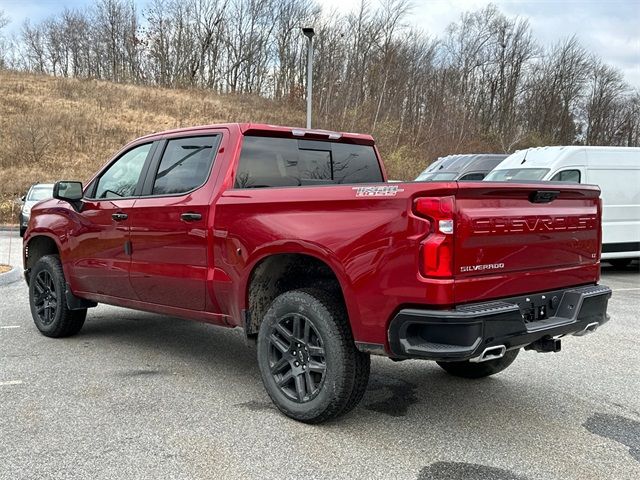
(137, 395)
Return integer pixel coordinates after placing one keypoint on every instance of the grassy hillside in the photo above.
(53, 128)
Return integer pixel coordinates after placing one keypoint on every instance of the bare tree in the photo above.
(34, 45)
(605, 105)
(555, 89)
(484, 85)
(4, 20)
(4, 46)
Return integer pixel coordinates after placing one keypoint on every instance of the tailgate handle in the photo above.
(543, 196)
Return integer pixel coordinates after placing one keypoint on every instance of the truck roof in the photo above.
(274, 130)
(539, 157)
(481, 161)
(461, 164)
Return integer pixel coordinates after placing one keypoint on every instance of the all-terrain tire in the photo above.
(346, 369)
(47, 287)
(469, 369)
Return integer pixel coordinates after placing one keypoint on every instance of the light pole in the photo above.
(309, 33)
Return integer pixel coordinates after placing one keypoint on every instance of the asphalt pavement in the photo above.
(142, 396)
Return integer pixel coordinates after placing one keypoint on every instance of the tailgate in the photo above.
(506, 229)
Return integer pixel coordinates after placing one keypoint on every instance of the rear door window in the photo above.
(471, 177)
(572, 176)
(282, 162)
(185, 165)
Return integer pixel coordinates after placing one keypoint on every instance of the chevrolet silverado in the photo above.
(295, 237)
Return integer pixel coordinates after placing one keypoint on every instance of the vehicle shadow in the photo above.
(416, 392)
(171, 341)
(632, 269)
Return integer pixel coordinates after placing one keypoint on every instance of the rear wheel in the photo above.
(469, 369)
(309, 364)
(49, 309)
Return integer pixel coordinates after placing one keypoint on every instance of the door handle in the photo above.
(190, 217)
(118, 217)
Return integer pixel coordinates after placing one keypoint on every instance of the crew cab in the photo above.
(295, 237)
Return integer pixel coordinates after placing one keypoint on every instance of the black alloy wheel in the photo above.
(297, 357)
(46, 298)
(308, 360)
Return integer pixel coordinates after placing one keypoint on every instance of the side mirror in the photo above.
(23, 198)
(68, 191)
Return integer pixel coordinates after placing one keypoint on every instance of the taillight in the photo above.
(436, 251)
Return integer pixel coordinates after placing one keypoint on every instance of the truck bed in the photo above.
(506, 242)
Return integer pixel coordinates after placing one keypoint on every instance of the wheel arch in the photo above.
(36, 247)
(274, 273)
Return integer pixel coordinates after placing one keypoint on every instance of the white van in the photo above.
(616, 170)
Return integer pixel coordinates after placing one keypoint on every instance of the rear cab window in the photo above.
(287, 162)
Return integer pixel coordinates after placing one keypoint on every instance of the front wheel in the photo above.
(308, 361)
(49, 308)
(469, 369)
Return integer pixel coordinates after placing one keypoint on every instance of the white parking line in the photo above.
(9, 326)
(624, 289)
(11, 382)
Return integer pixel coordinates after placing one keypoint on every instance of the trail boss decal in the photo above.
(378, 191)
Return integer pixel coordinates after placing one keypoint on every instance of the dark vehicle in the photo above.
(294, 237)
(464, 168)
(37, 193)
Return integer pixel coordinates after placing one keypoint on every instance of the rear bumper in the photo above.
(466, 332)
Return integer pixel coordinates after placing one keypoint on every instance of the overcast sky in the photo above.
(610, 28)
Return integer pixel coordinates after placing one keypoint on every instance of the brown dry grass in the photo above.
(55, 128)
(4, 268)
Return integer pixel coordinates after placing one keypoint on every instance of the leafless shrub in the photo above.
(30, 141)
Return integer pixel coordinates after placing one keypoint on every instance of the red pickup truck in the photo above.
(295, 237)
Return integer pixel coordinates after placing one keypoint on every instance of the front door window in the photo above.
(121, 178)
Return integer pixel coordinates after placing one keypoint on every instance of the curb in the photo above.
(11, 276)
(9, 228)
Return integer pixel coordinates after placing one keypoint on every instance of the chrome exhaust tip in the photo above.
(491, 353)
(590, 328)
